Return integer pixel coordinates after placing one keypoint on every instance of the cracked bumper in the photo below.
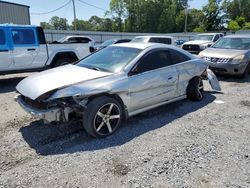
(49, 115)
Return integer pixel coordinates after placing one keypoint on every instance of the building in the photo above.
(14, 13)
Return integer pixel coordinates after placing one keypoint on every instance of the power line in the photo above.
(92, 5)
(54, 9)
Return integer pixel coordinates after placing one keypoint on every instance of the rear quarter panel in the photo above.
(187, 71)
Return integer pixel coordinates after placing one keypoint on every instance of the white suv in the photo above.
(155, 39)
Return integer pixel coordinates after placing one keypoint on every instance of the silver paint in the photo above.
(138, 92)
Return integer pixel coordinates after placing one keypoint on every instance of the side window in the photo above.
(154, 61)
(72, 40)
(2, 37)
(165, 40)
(84, 40)
(216, 38)
(178, 57)
(154, 40)
(23, 36)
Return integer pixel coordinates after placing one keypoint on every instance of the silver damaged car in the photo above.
(113, 84)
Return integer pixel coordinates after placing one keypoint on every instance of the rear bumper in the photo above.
(227, 68)
(49, 115)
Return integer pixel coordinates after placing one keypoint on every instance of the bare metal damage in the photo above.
(137, 93)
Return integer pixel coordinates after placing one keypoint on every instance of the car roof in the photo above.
(69, 36)
(238, 36)
(15, 25)
(143, 46)
(210, 33)
(138, 45)
(151, 36)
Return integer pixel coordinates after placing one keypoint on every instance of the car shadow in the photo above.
(9, 84)
(71, 138)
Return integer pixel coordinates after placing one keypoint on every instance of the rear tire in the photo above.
(102, 117)
(63, 61)
(195, 89)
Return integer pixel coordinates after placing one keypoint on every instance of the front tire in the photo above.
(195, 89)
(102, 117)
(63, 61)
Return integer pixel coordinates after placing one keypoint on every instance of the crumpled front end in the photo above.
(50, 111)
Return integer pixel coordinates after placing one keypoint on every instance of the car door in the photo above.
(152, 80)
(5, 49)
(184, 67)
(25, 46)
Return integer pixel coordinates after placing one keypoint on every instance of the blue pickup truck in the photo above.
(24, 49)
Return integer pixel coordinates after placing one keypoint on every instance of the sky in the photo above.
(83, 11)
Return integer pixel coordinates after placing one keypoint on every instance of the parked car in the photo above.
(156, 39)
(76, 39)
(179, 42)
(201, 42)
(230, 55)
(23, 49)
(113, 84)
(108, 43)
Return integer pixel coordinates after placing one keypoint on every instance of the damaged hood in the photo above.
(41, 83)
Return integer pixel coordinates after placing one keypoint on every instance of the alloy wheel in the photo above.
(107, 119)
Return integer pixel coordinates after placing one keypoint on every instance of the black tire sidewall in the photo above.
(60, 61)
(193, 89)
(90, 113)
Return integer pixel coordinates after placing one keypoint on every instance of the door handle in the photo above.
(4, 50)
(31, 49)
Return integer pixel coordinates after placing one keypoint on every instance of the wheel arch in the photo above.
(66, 54)
(114, 96)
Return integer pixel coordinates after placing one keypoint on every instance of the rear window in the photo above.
(2, 37)
(178, 57)
(161, 40)
(23, 36)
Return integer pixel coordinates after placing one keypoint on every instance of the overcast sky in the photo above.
(83, 11)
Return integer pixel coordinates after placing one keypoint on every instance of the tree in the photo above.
(214, 18)
(237, 8)
(82, 25)
(59, 23)
(233, 26)
(118, 12)
(45, 25)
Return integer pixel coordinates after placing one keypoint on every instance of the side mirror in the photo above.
(91, 49)
(134, 71)
(209, 45)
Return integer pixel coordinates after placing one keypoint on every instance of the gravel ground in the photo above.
(184, 144)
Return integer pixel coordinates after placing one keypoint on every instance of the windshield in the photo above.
(108, 42)
(139, 39)
(62, 39)
(233, 43)
(111, 59)
(204, 37)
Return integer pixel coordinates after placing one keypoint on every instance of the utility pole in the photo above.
(74, 9)
(186, 18)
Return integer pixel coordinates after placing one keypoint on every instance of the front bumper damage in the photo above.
(49, 115)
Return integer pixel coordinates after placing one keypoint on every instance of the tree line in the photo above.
(162, 16)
